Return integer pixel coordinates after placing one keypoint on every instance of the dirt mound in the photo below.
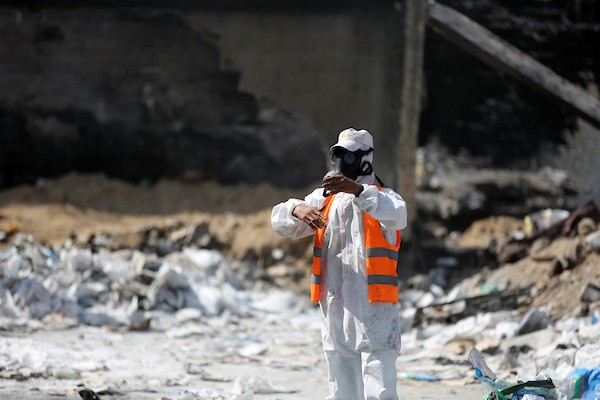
(100, 193)
(79, 206)
(558, 270)
(487, 232)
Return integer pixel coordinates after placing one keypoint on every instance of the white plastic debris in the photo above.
(65, 373)
(276, 301)
(78, 260)
(188, 315)
(33, 299)
(534, 320)
(593, 240)
(200, 294)
(204, 373)
(258, 386)
(540, 220)
(253, 350)
(206, 260)
(33, 359)
(210, 299)
(588, 356)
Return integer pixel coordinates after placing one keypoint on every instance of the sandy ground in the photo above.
(150, 366)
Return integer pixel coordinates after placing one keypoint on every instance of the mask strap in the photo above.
(366, 168)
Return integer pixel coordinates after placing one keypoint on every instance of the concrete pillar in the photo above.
(415, 18)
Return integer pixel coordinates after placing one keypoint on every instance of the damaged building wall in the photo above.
(474, 107)
(140, 81)
(334, 67)
(300, 58)
(136, 94)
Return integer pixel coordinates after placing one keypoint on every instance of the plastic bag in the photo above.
(502, 390)
(583, 384)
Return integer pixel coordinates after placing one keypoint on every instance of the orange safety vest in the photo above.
(381, 261)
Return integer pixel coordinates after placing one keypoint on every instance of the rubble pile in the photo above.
(534, 314)
(122, 288)
(455, 190)
(217, 286)
(558, 264)
(177, 287)
(187, 292)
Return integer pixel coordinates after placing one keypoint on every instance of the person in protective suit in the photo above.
(354, 278)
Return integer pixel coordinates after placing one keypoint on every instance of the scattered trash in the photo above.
(419, 377)
(534, 320)
(258, 386)
(591, 293)
(592, 241)
(583, 384)
(205, 374)
(517, 249)
(175, 280)
(543, 219)
(503, 390)
(87, 394)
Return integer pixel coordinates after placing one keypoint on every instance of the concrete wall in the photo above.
(136, 94)
(336, 69)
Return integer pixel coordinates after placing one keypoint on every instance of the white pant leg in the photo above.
(345, 375)
(379, 374)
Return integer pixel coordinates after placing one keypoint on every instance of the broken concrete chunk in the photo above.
(592, 241)
(590, 293)
(534, 320)
(65, 373)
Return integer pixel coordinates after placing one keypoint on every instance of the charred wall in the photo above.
(471, 106)
(137, 94)
(157, 91)
(336, 66)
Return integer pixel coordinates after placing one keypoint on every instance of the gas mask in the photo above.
(350, 163)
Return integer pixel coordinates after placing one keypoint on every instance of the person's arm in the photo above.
(298, 218)
(385, 205)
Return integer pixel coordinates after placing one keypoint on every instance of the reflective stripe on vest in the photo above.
(381, 260)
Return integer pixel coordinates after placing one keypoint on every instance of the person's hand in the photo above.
(339, 183)
(310, 215)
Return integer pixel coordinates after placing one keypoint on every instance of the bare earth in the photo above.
(150, 366)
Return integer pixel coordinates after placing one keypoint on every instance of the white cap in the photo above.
(351, 139)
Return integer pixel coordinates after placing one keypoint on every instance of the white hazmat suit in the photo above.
(361, 340)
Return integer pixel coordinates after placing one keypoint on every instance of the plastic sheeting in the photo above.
(225, 311)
